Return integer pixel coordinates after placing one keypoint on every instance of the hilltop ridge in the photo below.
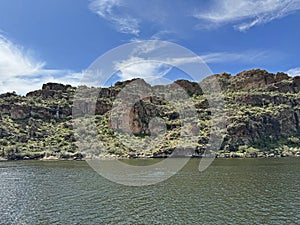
(262, 108)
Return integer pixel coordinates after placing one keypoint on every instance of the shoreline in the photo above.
(217, 156)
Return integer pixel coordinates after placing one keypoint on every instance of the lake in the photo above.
(230, 191)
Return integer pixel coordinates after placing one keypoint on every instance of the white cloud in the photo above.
(138, 67)
(13, 61)
(162, 19)
(245, 14)
(158, 19)
(241, 57)
(20, 72)
(293, 72)
(151, 70)
(25, 84)
(109, 10)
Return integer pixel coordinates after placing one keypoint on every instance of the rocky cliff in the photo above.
(262, 119)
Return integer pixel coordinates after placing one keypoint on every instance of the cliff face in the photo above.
(263, 111)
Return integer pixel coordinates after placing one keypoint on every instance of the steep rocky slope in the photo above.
(262, 118)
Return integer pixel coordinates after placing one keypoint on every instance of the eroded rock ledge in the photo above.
(263, 111)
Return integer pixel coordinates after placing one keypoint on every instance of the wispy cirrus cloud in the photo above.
(244, 14)
(156, 19)
(25, 83)
(163, 20)
(21, 72)
(111, 10)
(136, 67)
(293, 72)
(250, 56)
(139, 64)
(15, 61)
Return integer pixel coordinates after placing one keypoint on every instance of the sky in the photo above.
(57, 40)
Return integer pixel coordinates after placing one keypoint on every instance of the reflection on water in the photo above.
(230, 191)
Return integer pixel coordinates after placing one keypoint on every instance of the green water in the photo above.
(230, 191)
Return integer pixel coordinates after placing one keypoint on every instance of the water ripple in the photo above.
(252, 191)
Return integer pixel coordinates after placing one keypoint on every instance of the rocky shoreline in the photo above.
(230, 155)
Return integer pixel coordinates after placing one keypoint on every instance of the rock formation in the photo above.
(262, 108)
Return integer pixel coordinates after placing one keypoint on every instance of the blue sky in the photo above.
(56, 40)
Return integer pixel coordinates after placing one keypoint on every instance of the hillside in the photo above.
(263, 111)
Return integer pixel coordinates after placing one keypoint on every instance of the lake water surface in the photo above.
(230, 191)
